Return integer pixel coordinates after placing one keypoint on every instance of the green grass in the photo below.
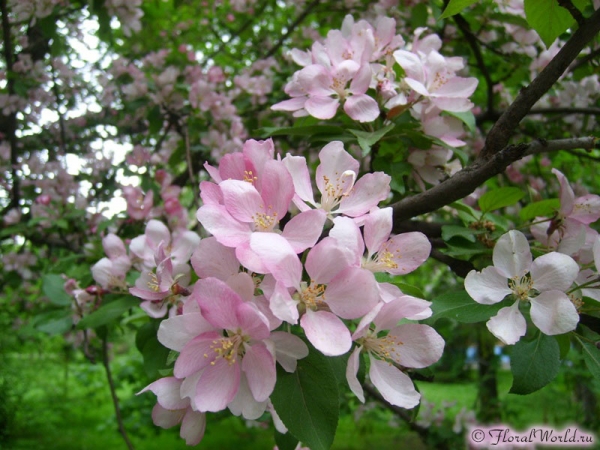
(68, 407)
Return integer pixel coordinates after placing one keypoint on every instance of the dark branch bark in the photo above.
(458, 266)
(504, 128)
(465, 29)
(113, 393)
(569, 6)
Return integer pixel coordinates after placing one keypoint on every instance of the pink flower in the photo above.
(171, 410)
(110, 272)
(336, 180)
(407, 345)
(541, 283)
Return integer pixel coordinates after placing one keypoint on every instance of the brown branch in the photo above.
(458, 266)
(504, 128)
(569, 6)
(543, 146)
(465, 29)
(113, 393)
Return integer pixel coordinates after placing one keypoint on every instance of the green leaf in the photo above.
(591, 356)
(155, 357)
(462, 308)
(534, 364)
(108, 313)
(307, 401)
(53, 288)
(467, 117)
(543, 208)
(450, 231)
(499, 198)
(55, 322)
(466, 209)
(367, 139)
(285, 441)
(548, 18)
(564, 344)
(298, 131)
(456, 6)
(409, 289)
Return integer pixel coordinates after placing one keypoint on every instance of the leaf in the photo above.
(462, 308)
(108, 313)
(53, 288)
(467, 117)
(285, 441)
(534, 364)
(55, 322)
(450, 231)
(156, 356)
(591, 356)
(543, 208)
(298, 131)
(499, 198)
(466, 209)
(367, 139)
(548, 18)
(307, 401)
(456, 6)
(564, 344)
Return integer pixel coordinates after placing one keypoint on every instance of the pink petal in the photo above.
(244, 403)
(193, 427)
(166, 418)
(242, 200)
(362, 108)
(323, 108)
(253, 323)
(586, 209)
(351, 371)
(567, 196)
(288, 349)
(407, 251)
(167, 393)
(488, 286)
(113, 246)
(508, 325)
(210, 193)
(361, 81)
(400, 308)
(395, 386)
(283, 306)
(218, 303)
(259, 366)
(352, 293)
(421, 345)
(217, 220)
(278, 256)
(378, 226)
(326, 332)
(553, 313)
(304, 229)
(192, 357)
(334, 162)
(511, 255)
(157, 232)
(348, 236)
(217, 386)
(368, 191)
(176, 332)
(293, 104)
(277, 189)
(296, 165)
(212, 259)
(326, 260)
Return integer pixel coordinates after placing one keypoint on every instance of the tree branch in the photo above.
(504, 128)
(569, 6)
(113, 394)
(292, 27)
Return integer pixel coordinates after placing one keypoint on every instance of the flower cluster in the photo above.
(360, 57)
(284, 265)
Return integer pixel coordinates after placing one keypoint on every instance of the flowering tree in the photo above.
(284, 178)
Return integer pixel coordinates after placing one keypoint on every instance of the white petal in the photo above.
(488, 286)
(554, 271)
(395, 386)
(512, 256)
(553, 313)
(508, 325)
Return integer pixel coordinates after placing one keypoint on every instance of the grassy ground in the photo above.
(59, 406)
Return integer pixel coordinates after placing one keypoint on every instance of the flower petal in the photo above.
(553, 313)
(395, 386)
(508, 325)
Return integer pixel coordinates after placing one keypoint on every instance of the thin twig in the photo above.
(113, 394)
(292, 27)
